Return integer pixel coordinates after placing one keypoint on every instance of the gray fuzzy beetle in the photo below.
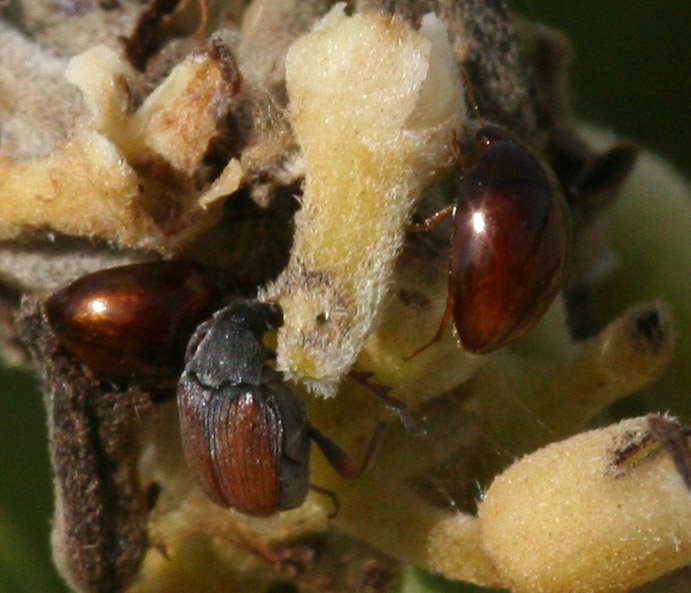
(245, 432)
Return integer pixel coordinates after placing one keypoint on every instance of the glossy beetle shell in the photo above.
(509, 245)
(245, 432)
(132, 322)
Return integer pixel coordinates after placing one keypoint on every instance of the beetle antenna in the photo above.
(437, 335)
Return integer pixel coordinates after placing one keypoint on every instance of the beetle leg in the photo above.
(340, 460)
(672, 436)
(432, 221)
(382, 392)
(438, 334)
(332, 495)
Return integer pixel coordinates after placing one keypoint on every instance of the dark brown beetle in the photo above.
(132, 322)
(511, 230)
(245, 432)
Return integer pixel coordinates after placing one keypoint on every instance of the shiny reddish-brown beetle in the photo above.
(509, 243)
(132, 322)
(245, 431)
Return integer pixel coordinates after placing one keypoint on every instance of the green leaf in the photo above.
(21, 571)
(26, 497)
(417, 580)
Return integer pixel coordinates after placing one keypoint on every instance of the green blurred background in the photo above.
(632, 72)
(632, 67)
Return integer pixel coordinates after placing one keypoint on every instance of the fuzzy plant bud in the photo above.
(603, 511)
(373, 104)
